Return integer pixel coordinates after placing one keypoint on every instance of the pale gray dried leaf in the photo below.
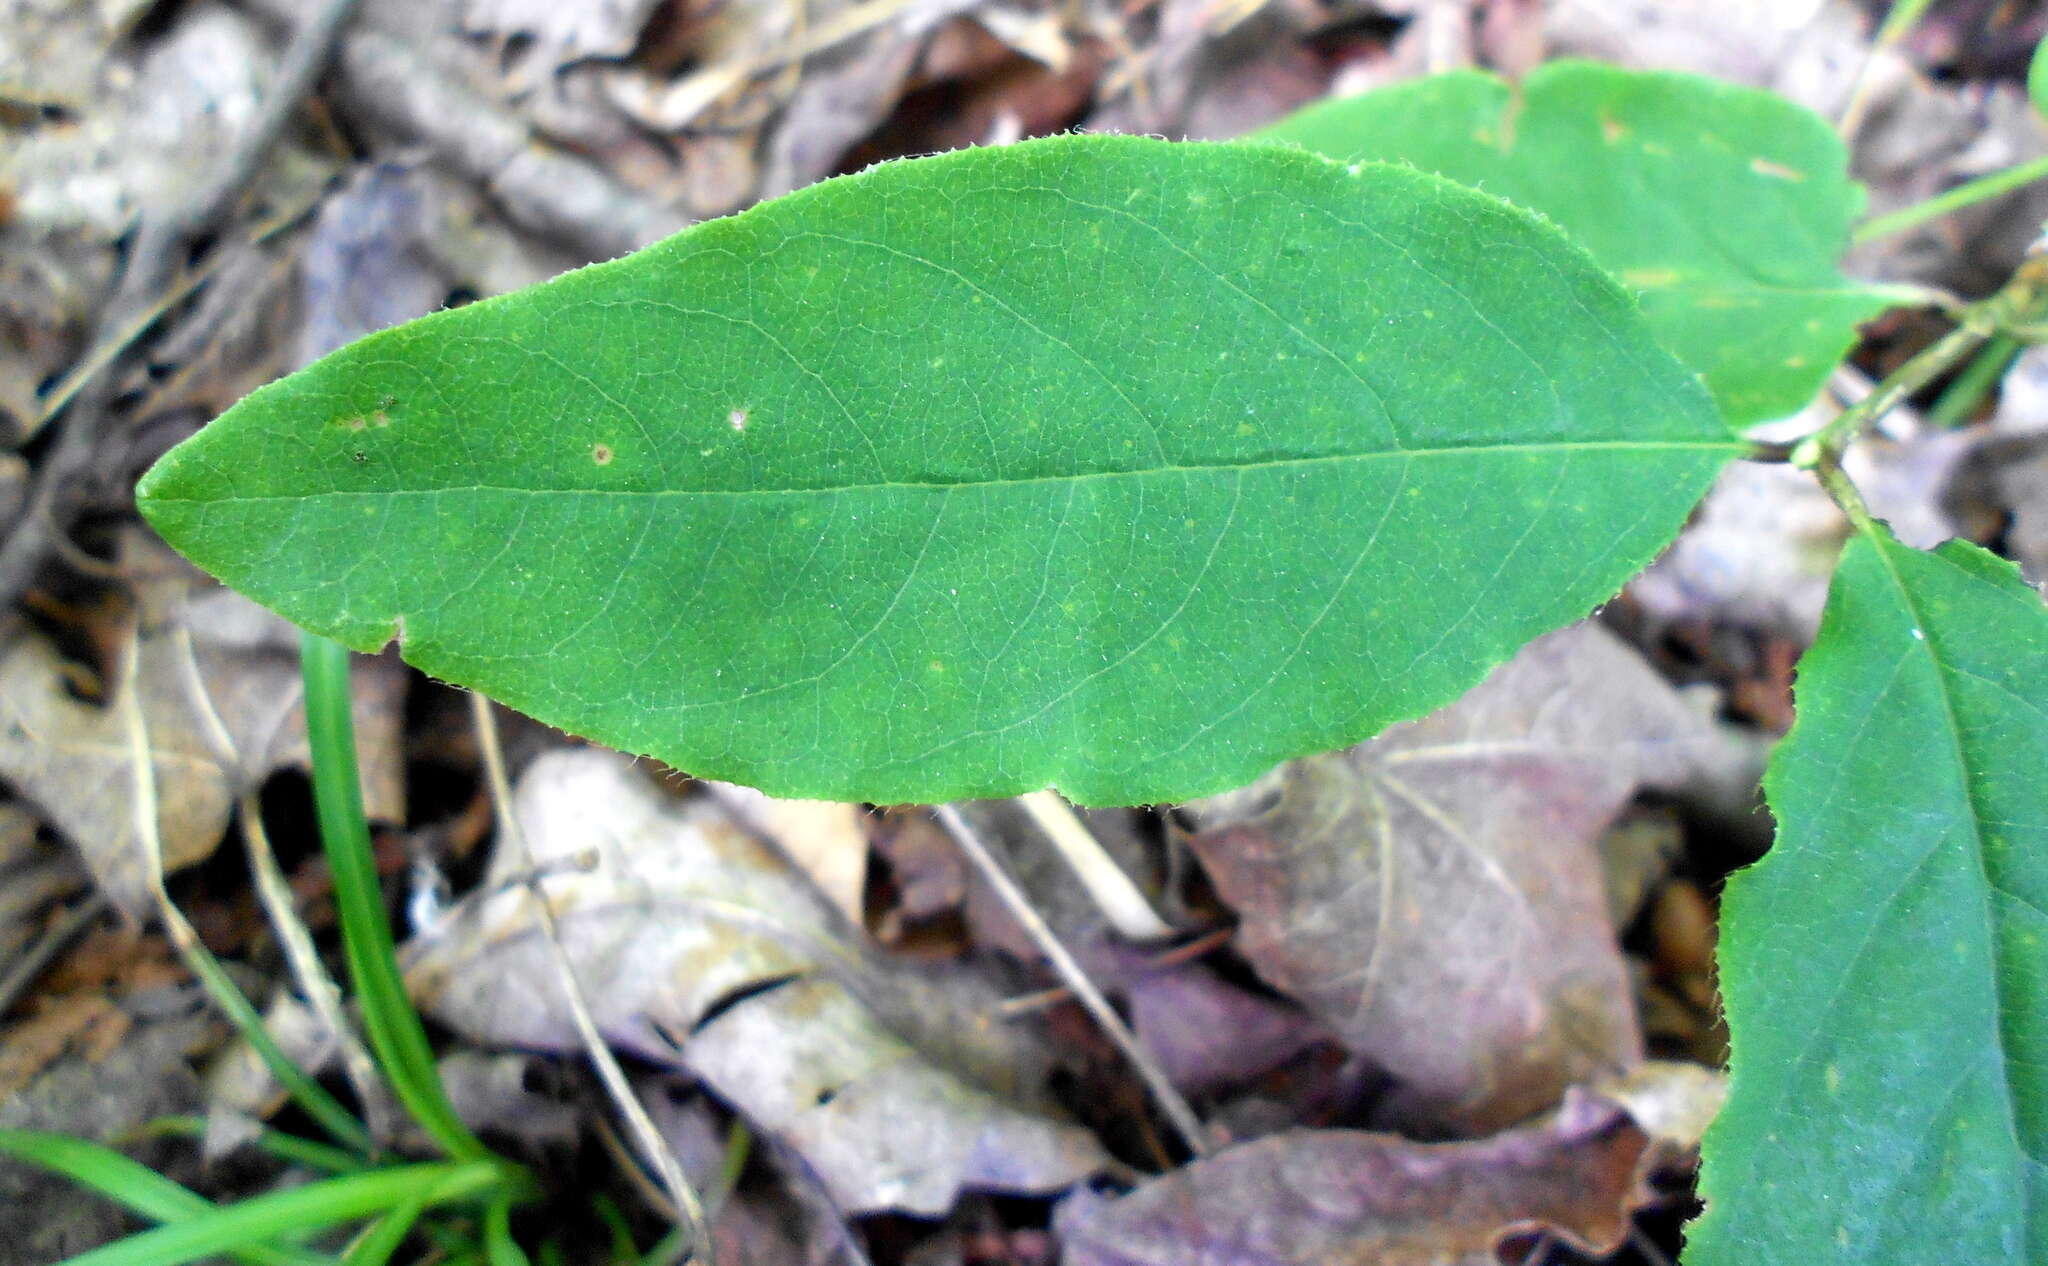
(1672, 1101)
(1209, 1034)
(145, 133)
(697, 947)
(1435, 895)
(1758, 553)
(238, 670)
(1807, 49)
(562, 33)
(844, 94)
(1348, 1198)
(241, 1091)
(784, 1223)
(490, 1092)
(2008, 474)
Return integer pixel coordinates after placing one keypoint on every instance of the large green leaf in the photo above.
(1885, 966)
(1129, 467)
(1724, 208)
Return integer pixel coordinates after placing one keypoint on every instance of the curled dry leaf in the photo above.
(1435, 894)
(699, 948)
(1349, 1198)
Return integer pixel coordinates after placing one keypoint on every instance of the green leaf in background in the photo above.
(2037, 78)
(1100, 462)
(1885, 966)
(1724, 208)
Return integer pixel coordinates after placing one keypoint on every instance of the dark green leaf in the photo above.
(1098, 462)
(1885, 967)
(1724, 208)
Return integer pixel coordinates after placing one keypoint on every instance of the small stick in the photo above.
(198, 960)
(38, 957)
(654, 1150)
(1112, 890)
(1176, 1109)
(316, 985)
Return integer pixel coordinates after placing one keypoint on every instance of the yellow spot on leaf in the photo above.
(1765, 167)
(601, 454)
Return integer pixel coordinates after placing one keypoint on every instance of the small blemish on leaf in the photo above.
(1611, 128)
(1765, 167)
(737, 420)
(601, 454)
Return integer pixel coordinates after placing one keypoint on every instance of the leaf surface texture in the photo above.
(1885, 966)
(1724, 208)
(1121, 466)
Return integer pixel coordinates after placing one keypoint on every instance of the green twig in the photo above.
(1975, 191)
(395, 1031)
(1825, 446)
(2016, 310)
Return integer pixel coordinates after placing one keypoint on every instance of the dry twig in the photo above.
(654, 1150)
(1177, 1111)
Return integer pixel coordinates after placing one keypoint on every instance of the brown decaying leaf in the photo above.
(1209, 1034)
(240, 665)
(1435, 894)
(1349, 1198)
(701, 949)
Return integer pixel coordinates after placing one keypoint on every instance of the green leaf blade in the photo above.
(1892, 1103)
(1103, 463)
(1724, 208)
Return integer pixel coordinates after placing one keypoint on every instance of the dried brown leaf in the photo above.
(1348, 1198)
(1435, 894)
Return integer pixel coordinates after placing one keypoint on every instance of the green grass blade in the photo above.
(289, 1148)
(500, 1249)
(300, 1210)
(376, 1245)
(135, 1186)
(341, 1124)
(394, 1027)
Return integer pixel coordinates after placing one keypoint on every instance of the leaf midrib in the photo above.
(1729, 447)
